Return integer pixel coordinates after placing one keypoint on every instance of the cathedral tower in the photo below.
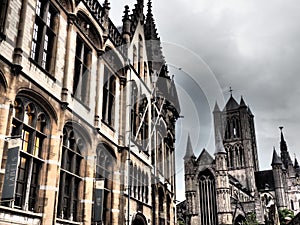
(236, 125)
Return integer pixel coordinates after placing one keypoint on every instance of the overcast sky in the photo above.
(252, 46)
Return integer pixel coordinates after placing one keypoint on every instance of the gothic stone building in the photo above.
(223, 189)
(88, 115)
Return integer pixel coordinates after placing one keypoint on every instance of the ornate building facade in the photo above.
(225, 188)
(88, 115)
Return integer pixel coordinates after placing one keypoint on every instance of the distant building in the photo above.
(223, 189)
(88, 114)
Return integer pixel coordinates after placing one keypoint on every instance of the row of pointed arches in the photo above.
(235, 156)
(139, 183)
(33, 120)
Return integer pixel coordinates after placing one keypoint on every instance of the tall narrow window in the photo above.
(134, 110)
(140, 57)
(109, 92)
(161, 199)
(3, 14)
(236, 128)
(227, 131)
(104, 171)
(44, 34)
(208, 206)
(82, 71)
(145, 72)
(135, 57)
(144, 127)
(70, 176)
(27, 124)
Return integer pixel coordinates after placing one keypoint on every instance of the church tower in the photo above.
(222, 183)
(236, 125)
(278, 175)
(190, 192)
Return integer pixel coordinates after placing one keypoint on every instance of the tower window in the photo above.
(44, 34)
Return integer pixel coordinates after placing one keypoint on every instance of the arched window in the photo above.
(139, 184)
(147, 189)
(109, 95)
(160, 162)
(237, 156)
(135, 57)
(145, 72)
(44, 34)
(168, 209)
(144, 126)
(236, 127)
(70, 174)
(134, 109)
(131, 178)
(241, 154)
(3, 16)
(228, 130)
(161, 199)
(230, 159)
(135, 181)
(207, 197)
(26, 125)
(82, 67)
(105, 165)
(140, 56)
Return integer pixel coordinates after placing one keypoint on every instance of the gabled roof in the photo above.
(205, 158)
(231, 104)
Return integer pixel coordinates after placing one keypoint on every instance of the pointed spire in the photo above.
(217, 109)
(285, 156)
(242, 103)
(231, 104)
(189, 149)
(283, 146)
(150, 31)
(296, 164)
(219, 144)
(126, 13)
(276, 159)
(106, 4)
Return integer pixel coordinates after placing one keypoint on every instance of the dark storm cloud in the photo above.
(253, 46)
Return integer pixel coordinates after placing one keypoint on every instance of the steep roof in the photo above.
(189, 149)
(205, 158)
(285, 155)
(231, 104)
(216, 108)
(242, 103)
(276, 159)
